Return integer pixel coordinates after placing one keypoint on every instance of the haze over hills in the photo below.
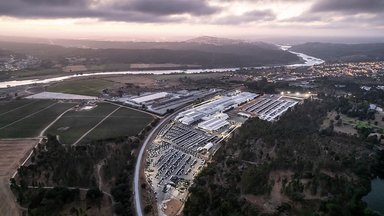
(206, 52)
(342, 52)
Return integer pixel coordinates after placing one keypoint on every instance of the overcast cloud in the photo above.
(331, 13)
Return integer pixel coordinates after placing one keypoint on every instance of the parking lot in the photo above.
(173, 159)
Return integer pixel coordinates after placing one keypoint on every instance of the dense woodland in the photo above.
(320, 172)
(342, 52)
(227, 55)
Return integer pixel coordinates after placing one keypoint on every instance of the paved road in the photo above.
(136, 186)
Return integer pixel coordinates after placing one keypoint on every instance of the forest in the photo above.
(289, 167)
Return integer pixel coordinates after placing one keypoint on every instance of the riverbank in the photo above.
(307, 61)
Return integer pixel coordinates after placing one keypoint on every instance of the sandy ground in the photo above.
(172, 207)
(12, 152)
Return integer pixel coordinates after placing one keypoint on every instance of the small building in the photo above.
(207, 147)
(245, 115)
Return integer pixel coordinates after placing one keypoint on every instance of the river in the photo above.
(308, 61)
(375, 198)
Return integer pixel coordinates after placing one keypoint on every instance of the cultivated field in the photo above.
(92, 86)
(124, 122)
(29, 118)
(12, 154)
(26, 108)
(74, 124)
(8, 106)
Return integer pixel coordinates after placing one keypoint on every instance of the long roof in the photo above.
(150, 97)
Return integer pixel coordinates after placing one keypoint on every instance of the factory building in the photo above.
(223, 104)
(213, 124)
(150, 97)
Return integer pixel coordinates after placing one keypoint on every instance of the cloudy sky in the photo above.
(178, 19)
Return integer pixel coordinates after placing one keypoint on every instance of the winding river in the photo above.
(308, 61)
(375, 199)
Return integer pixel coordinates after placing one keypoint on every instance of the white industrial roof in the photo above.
(213, 124)
(60, 96)
(150, 97)
(216, 106)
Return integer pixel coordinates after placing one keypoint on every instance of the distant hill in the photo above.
(213, 41)
(205, 51)
(342, 52)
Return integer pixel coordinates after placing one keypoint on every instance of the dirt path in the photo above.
(99, 177)
(54, 121)
(90, 130)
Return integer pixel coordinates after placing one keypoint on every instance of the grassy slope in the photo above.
(91, 87)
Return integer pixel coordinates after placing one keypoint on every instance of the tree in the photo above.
(147, 209)
(94, 196)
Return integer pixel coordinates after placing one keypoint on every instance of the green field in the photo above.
(7, 106)
(124, 122)
(30, 120)
(22, 112)
(74, 124)
(27, 118)
(91, 87)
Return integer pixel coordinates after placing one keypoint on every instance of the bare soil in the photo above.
(12, 152)
(172, 207)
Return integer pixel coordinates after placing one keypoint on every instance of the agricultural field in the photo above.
(74, 124)
(8, 106)
(12, 153)
(29, 118)
(124, 122)
(91, 87)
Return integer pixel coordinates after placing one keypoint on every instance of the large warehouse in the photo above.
(216, 106)
(150, 97)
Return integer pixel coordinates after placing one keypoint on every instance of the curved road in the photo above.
(136, 187)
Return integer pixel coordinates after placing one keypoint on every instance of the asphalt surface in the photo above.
(136, 186)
